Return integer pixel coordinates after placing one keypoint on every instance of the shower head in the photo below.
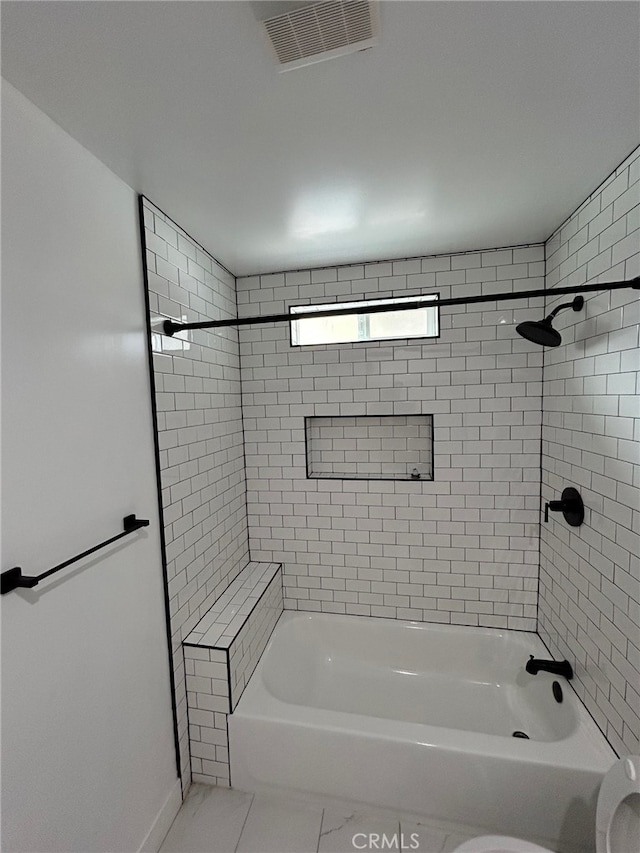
(541, 331)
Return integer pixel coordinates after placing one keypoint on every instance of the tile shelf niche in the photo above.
(370, 447)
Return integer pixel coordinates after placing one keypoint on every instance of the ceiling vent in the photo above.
(307, 34)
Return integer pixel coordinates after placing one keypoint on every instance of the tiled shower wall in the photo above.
(590, 576)
(461, 549)
(197, 379)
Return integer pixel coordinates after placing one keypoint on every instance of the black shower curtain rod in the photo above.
(170, 327)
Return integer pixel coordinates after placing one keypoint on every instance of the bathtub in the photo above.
(420, 718)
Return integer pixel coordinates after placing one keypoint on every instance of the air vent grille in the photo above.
(322, 31)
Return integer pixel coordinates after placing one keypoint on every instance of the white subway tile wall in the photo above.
(252, 638)
(197, 377)
(219, 664)
(462, 549)
(208, 712)
(590, 576)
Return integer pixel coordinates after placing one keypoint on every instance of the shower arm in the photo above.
(557, 311)
(170, 327)
(577, 303)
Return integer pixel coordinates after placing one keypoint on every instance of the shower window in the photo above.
(353, 328)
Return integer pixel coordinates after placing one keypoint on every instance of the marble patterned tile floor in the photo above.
(220, 820)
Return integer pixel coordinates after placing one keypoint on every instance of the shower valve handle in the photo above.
(570, 505)
(554, 506)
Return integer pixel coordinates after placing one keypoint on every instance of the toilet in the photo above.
(617, 817)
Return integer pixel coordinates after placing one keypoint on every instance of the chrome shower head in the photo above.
(541, 331)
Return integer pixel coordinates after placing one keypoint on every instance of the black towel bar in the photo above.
(13, 578)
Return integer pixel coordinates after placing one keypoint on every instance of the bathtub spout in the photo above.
(557, 667)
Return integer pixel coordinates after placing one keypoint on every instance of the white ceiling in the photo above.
(471, 124)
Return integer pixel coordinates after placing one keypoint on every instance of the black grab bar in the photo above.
(13, 578)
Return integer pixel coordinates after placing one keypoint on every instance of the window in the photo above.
(352, 328)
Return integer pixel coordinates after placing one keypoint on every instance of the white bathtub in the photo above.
(420, 718)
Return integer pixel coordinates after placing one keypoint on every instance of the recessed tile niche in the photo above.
(370, 447)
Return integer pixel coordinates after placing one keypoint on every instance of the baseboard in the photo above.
(163, 821)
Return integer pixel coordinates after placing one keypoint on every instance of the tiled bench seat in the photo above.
(220, 655)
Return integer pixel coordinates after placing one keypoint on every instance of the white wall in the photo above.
(461, 549)
(590, 575)
(88, 754)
